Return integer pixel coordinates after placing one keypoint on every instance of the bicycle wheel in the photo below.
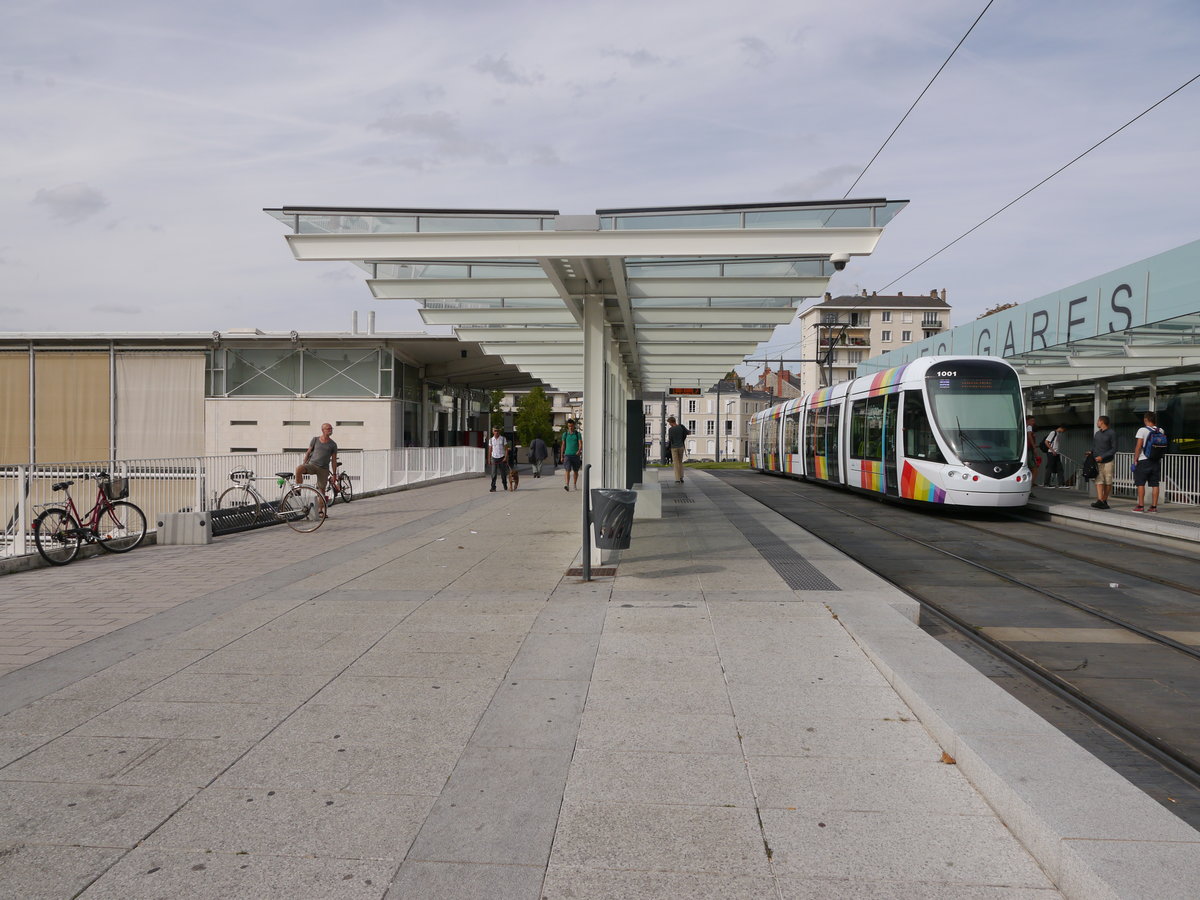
(303, 508)
(121, 527)
(345, 488)
(242, 498)
(56, 535)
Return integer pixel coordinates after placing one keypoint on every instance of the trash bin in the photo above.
(612, 516)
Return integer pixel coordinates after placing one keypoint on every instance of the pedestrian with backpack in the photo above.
(1054, 469)
(1151, 447)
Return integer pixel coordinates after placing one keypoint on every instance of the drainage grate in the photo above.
(595, 571)
(796, 571)
(684, 500)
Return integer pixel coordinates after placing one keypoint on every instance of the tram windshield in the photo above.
(977, 407)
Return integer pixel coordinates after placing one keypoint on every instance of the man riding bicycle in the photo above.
(321, 458)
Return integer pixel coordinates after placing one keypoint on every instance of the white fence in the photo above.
(195, 482)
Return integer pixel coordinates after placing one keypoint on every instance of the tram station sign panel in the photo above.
(1153, 290)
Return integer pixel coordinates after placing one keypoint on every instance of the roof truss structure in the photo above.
(683, 293)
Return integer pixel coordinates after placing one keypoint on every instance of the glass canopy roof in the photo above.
(711, 281)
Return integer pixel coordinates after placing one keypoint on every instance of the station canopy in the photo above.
(687, 292)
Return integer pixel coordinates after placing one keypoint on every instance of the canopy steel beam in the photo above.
(388, 247)
(715, 315)
(549, 315)
(460, 288)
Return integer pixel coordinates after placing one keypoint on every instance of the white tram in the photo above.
(946, 430)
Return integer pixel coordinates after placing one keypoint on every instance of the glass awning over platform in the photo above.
(685, 293)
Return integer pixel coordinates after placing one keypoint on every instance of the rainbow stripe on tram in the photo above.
(820, 397)
(884, 382)
(871, 475)
(821, 468)
(915, 486)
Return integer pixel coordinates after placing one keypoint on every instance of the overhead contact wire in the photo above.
(918, 100)
(1044, 180)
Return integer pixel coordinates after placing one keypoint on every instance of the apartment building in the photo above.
(857, 327)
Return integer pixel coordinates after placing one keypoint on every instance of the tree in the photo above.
(533, 417)
(496, 414)
(1000, 307)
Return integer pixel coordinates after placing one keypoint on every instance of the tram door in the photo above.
(891, 424)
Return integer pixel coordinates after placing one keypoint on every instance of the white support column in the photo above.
(595, 358)
(1153, 393)
(1100, 400)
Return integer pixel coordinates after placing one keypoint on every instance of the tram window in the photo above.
(833, 420)
(874, 448)
(919, 441)
(791, 437)
(858, 429)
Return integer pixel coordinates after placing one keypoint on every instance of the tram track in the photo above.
(1015, 616)
(1187, 561)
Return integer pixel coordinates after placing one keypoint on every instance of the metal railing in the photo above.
(1180, 482)
(193, 483)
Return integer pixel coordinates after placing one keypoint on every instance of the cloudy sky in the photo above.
(142, 139)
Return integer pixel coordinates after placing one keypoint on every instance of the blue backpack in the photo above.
(1156, 445)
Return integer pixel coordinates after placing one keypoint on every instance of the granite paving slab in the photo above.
(573, 882)
(336, 765)
(159, 872)
(296, 822)
(466, 881)
(500, 806)
(961, 849)
(693, 779)
(660, 839)
(167, 719)
(32, 871)
(85, 815)
(128, 761)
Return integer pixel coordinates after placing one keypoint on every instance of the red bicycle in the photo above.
(113, 522)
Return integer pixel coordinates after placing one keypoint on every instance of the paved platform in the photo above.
(416, 701)
(1176, 523)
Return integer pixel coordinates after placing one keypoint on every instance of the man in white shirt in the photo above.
(498, 451)
(1146, 471)
(1054, 457)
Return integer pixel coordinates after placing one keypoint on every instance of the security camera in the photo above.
(839, 260)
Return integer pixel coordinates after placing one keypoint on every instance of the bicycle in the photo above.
(339, 487)
(342, 486)
(301, 506)
(113, 522)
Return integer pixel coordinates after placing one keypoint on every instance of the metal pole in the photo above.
(587, 525)
(718, 421)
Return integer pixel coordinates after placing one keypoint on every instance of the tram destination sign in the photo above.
(681, 391)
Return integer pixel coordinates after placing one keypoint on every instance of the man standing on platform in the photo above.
(572, 449)
(1104, 452)
(498, 450)
(676, 435)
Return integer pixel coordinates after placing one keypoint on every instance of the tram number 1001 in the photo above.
(947, 374)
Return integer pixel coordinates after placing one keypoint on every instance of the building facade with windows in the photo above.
(844, 331)
(718, 420)
(75, 398)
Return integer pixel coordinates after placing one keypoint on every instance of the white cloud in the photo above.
(503, 71)
(194, 117)
(71, 202)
